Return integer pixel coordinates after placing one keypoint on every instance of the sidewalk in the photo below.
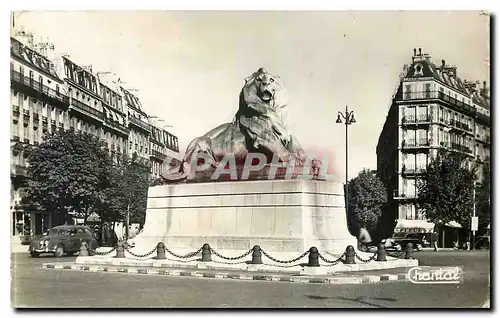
(16, 247)
(338, 278)
(431, 249)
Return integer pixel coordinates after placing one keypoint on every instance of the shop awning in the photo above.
(453, 224)
(94, 217)
(419, 226)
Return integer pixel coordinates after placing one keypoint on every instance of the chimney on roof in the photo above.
(414, 52)
(443, 63)
(484, 90)
(419, 51)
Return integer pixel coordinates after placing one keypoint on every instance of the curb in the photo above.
(365, 279)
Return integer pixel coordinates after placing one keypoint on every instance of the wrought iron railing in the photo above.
(139, 123)
(86, 108)
(157, 154)
(39, 87)
(116, 125)
(412, 143)
(423, 95)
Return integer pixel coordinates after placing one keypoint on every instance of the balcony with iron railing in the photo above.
(485, 139)
(457, 147)
(86, 109)
(15, 110)
(414, 120)
(26, 114)
(39, 87)
(158, 155)
(411, 170)
(460, 126)
(440, 96)
(414, 144)
(420, 95)
(116, 125)
(401, 195)
(139, 123)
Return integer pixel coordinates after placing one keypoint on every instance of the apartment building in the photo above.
(432, 109)
(115, 128)
(164, 148)
(39, 105)
(50, 91)
(139, 127)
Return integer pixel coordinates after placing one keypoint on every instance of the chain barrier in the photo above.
(331, 263)
(140, 255)
(287, 263)
(371, 258)
(284, 262)
(95, 252)
(188, 255)
(231, 258)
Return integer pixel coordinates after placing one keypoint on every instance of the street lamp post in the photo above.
(473, 214)
(346, 118)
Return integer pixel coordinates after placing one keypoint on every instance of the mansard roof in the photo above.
(32, 58)
(423, 67)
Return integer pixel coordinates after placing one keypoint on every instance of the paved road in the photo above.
(34, 287)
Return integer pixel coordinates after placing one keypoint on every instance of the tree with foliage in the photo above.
(67, 172)
(445, 191)
(483, 196)
(126, 199)
(367, 199)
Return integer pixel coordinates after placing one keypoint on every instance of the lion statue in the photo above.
(258, 126)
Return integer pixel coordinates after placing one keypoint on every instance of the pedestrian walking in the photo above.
(435, 240)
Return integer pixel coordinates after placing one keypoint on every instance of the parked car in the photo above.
(131, 241)
(63, 239)
(391, 245)
(483, 242)
(414, 238)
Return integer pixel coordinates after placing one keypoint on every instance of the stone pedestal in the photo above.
(284, 217)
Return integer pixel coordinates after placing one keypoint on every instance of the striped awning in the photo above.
(418, 226)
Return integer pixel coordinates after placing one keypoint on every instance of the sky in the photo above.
(189, 66)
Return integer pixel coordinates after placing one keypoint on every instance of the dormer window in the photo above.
(418, 70)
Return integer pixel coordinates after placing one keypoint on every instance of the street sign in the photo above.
(474, 223)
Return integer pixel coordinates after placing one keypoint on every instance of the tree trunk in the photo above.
(85, 216)
(127, 218)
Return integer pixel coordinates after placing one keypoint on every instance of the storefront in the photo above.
(27, 222)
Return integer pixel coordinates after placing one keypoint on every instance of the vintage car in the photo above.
(63, 239)
(416, 239)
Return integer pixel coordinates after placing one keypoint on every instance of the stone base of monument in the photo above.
(284, 217)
